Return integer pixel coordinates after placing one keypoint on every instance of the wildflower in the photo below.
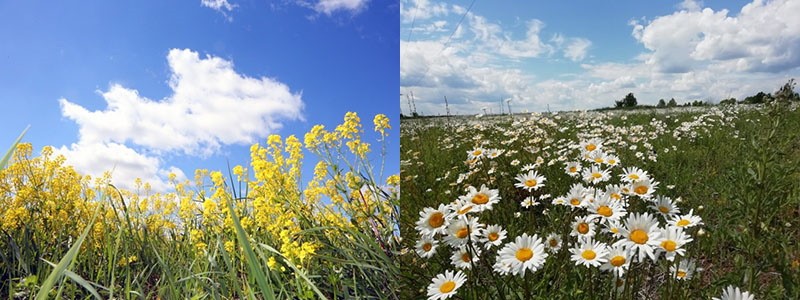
(591, 145)
(461, 208)
(734, 293)
(605, 209)
(493, 235)
(526, 253)
(426, 247)
(686, 221)
(445, 285)
(462, 230)
(643, 188)
(613, 227)
(619, 260)
(483, 198)
(528, 202)
(673, 239)
(641, 235)
(665, 206)
(530, 182)
(632, 174)
(582, 227)
(573, 168)
(476, 153)
(684, 270)
(611, 160)
(589, 253)
(465, 256)
(381, 123)
(553, 242)
(575, 196)
(595, 175)
(433, 221)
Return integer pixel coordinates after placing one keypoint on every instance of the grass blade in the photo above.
(65, 261)
(77, 278)
(7, 156)
(252, 262)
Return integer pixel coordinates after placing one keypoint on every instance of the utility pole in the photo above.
(408, 100)
(414, 103)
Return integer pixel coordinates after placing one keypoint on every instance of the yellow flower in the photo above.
(381, 123)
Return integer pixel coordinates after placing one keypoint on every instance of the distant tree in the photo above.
(761, 97)
(661, 103)
(672, 103)
(628, 101)
(729, 101)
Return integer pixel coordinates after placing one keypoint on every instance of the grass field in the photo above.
(654, 204)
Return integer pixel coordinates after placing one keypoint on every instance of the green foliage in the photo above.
(628, 102)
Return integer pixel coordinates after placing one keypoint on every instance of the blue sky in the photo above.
(149, 87)
(566, 55)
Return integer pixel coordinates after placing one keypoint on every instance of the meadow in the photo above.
(252, 232)
(651, 204)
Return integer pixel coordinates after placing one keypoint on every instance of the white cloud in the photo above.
(577, 49)
(222, 6)
(421, 10)
(329, 7)
(211, 106)
(763, 37)
(691, 5)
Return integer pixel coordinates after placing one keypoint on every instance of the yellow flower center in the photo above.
(524, 254)
(583, 228)
(680, 274)
(436, 220)
(682, 223)
(574, 201)
(465, 257)
(530, 182)
(447, 287)
(464, 210)
(617, 260)
(614, 230)
(427, 247)
(598, 160)
(591, 147)
(573, 169)
(605, 211)
(633, 176)
(616, 196)
(641, 190)
(612, 162)
(639, 236)
(480, 198)
(597, 175)
(588, 254)
(663, 209)
(462, 233)
(669, 245)
(553, 243)
(476, 152)
(493, 236)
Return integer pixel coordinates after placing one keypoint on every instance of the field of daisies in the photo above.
(652, 204)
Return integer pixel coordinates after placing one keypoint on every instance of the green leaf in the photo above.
(6, 157)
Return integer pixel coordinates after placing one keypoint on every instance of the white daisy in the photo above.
(476, 153)
(582, 227)
(614, 228)
(734, 293)
(531, 181)
(426, 247)
(665, 206)
(686, 221)
(684, 270)
(483, 198)
(553, 242)
(614, 191)
(526, 253)
(643, 188)
(433, 220)
(573, 168)
(446, 285)
(611, 160)
(641, 235)
(591, 145)
(461, 231)
(605, 209)
(529, 202)
(673, 239)
(576, 196)
(493, 235)
(633, 174)
(589, 253)
(465, 256)
(595, 175)
(619, 260)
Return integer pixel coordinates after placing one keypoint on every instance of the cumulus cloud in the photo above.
(577, 49)
(211, 105)
(763, 37)
(421, 10)
(330, 6)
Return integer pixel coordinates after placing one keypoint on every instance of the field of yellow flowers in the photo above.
(257, 232)
(656, 204)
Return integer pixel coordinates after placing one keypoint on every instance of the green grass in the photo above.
(742, 168)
